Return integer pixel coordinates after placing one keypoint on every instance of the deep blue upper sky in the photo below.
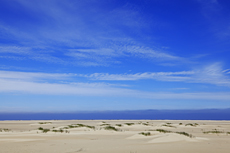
(70, 55)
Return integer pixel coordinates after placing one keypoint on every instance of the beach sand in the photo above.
(115, 136)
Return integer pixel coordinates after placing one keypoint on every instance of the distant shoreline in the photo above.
(204, 114)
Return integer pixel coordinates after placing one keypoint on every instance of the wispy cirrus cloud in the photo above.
(210, 74)
(63, 28)
(33, 76)
(164, 76)
(17, 82)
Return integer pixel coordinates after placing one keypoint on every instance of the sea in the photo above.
(201, 114)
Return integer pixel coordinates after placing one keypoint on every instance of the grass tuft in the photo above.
(129, 124)
(61, 131)
(5, 130)
(45, 122)
(168, 125)
(215, 131)
(146, 124)
(111, 128)
(104, 124)
(78, 126)
(163, 131)
(145, 133)
(186, 134)
(45, 130)
(183, 133)
(190, 124)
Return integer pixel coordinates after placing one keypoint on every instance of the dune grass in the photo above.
(182, 133)
(45, 122)
(215, 131)
(145, 133)
(168, 125)
(129, 124)
(60, 130)
(163, 131)
(190, 124)
(186, 134)
(104, 124)
(43, 130)
(111, 128)
(47, 130)
(78, 126)
(5, 130)
(40, 128)
(146, 124)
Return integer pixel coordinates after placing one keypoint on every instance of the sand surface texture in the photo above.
(115, 136)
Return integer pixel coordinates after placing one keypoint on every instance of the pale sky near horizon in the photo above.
(71, 55)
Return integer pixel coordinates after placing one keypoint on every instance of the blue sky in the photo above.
(74, 55)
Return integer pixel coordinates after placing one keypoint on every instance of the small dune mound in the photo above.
(170, 137)
(138, 136)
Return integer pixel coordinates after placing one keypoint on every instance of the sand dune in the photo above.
(96, 136)
(170, 137)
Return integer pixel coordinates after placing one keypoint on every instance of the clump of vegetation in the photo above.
(88, 126)
(184, 133)
(40, 128)
(168, 125)
(145, 133)
(5, 130)
(129, 124)
(45, 122)
(180, 123)
(147, 124)
(43, 130)
(215, 131)
(163, 131)
(104, 124)
(111, 128)
(78, 125)
(166, 131)
(61, 131)
(118, 125)
(190, 124)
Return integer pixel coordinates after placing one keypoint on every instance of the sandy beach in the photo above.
(123, 136)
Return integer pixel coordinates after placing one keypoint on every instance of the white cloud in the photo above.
(38, 83)
(150, 53)
(164, 76)
(87, 89)
(64, 28)
(30, 76)
(227, 71)
(210, 74)
(14, 49)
